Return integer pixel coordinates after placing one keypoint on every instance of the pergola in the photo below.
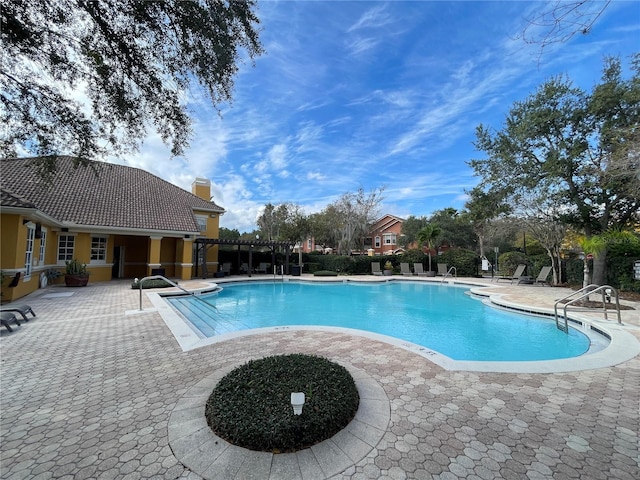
(205, 243)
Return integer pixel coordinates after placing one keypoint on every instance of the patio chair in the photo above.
(517, 275)
(226, 268)
(263, 267)
(21, 309)
(418, 269)
(6, 318)
(541, 279)
(405, 270)
(244, 268)
(442, 269)
(375, 268)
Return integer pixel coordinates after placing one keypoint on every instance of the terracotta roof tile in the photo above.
(107, 195)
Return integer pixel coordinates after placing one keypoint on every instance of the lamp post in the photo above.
(297, 401)
(495, 265)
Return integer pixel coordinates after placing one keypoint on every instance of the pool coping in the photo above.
(622, 347)
(196, 446)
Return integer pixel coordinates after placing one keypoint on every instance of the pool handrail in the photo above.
(607, 291)
(451, 269)
(160, 277)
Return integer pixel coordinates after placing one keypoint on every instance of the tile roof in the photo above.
(106, 195)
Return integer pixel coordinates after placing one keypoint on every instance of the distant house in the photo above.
(384, 235)
(122, 222)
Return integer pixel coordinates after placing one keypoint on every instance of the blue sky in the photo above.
(375, 94)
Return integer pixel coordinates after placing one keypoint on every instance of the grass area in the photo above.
(251, 406)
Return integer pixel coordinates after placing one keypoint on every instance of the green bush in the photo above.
(155, 283)
(465, 261)
(325, 273)
(251, 406)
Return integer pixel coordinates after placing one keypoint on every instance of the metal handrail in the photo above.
(606, 290)
(156, 277)
(455, 273)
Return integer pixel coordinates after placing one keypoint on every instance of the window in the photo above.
(202, 222)
(28, 254)
(377, 242)
(309, 244)
(389, 238)
(43, 246)
(65, 248)
(98, 249)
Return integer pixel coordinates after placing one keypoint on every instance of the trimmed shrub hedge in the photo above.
(325, 273)
(251, 406)
(155, 283)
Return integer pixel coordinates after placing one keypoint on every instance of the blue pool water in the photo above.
(441, 318)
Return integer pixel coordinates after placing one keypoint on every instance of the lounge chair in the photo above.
(6, 318)
(263, 267)
(244, 268)
(418, 269)
(442, 269)
(226, 268)
(517, 275)
(375, 268)
(541, 279)
(405, 270)
(21, 309)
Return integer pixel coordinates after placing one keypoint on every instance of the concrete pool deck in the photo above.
(90, 392)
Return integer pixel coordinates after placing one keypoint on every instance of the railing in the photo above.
(607, 292)
(160, 277)
(451, 269)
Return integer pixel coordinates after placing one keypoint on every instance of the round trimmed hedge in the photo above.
(251, 406)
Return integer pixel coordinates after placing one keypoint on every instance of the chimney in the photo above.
(201, 187)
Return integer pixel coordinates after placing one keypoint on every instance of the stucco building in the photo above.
(122, 222)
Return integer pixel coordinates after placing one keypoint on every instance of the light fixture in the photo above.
(297, 401)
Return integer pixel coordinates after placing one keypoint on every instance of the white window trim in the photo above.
(60, 235)
(106, 246)
(390, 238)
(28, 251)
(43, 245)
(202, 219)
(377, 241)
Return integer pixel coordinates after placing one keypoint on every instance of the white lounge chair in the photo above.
(541, 279)
(442, 269)
(405, 270)
(418, 269)
(517, 275)
(263, 267)
(375, 268)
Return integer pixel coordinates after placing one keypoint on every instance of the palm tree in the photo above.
(598, 244)
(428, 235)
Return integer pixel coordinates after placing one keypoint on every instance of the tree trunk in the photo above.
(600, 268)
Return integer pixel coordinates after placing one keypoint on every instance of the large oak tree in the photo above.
(90, 78)
(577, 150)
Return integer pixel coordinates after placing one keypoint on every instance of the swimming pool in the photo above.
(438, 317)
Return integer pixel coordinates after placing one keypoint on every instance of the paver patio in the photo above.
(87, 392)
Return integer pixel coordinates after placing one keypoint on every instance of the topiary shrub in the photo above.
(155, 283)
(325, 273)
(251, 406)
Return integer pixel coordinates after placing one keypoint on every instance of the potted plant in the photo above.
(76, 274)
(388, 268)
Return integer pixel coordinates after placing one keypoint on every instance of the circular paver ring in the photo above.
(196, 446)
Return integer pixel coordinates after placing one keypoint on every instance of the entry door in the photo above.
(117, 271)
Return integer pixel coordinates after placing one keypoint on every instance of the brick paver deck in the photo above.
(87, 392)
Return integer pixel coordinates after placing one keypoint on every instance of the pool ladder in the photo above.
(607, 292)
(451, 269)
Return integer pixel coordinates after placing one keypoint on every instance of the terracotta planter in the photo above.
(76, 280)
